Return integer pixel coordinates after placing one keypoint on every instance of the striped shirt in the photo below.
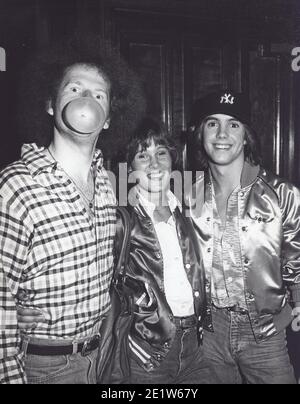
(54, 255)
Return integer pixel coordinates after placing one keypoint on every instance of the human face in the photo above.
(224, 139)
(81, 81)
(152, 167)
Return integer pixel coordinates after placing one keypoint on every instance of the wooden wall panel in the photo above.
(265, 109)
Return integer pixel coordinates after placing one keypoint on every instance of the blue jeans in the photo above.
(235, 357)
(184, 363)
(61, 369)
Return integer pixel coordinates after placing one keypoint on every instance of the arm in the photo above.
(28, 318)
(290, 206)
(13, 253)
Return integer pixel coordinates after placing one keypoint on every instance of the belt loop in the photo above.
(75, 347)
(24, 344)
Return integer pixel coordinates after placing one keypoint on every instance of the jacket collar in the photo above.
(249, 174)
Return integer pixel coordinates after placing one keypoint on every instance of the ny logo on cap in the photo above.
(227, 99)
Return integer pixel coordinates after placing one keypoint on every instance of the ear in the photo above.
(107, 123)
(49, 107)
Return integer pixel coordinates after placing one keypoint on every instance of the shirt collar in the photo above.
(37, 160)
(150, 206)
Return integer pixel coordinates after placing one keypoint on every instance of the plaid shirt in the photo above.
(54, 256)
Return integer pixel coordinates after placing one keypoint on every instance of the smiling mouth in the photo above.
(222, 146)
(155, 176)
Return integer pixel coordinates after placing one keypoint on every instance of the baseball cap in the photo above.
(225, 102)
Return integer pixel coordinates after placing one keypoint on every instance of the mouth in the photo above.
(220, 146)
(157, 176)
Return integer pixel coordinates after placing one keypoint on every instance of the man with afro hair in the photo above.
(57, 211)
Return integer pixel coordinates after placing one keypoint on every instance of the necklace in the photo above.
(89, 189)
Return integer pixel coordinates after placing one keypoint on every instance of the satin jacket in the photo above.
(269, 232)
(153, 328)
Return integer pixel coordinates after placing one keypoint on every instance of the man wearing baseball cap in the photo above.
(248, 225)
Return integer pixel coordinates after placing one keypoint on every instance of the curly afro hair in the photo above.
(43, 75)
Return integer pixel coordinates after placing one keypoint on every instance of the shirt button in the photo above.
(158, 255)
(229, 279)
(166, 345)
(208, 219)
(242, 193)
(209, 250)
(246, 261)
(245, 228)
(188, 266)
(196, 294)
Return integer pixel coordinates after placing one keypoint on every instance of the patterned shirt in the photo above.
(227, 274)
(54, 255)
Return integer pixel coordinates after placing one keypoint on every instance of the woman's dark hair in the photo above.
(252, 148)
(44, 74)
(150, 129)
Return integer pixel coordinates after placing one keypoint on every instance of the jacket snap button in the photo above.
(197, 294)
(188, 266)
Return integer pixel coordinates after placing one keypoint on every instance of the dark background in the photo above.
(182, 49)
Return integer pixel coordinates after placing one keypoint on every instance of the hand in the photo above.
(29, 318)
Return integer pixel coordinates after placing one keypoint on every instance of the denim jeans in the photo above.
(234, 355)
(184, 363)
(61, 369)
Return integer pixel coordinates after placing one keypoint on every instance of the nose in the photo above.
(222, 132)
(153, 162)
(86, 93)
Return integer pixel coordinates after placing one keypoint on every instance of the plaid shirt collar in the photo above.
(37, 161)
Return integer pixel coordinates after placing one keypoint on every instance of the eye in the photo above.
(162, 153)
(235, 125)
(211, 124)
(99, 96)
(74, 89)
(142, 156)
